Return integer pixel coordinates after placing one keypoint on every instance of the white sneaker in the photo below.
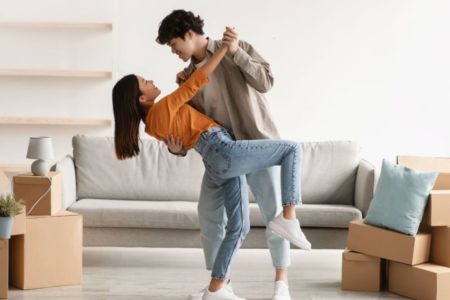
(222, 294)
(199, 294)
(281, 291)
(290, 230)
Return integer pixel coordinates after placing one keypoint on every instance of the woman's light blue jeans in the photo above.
(227, 161)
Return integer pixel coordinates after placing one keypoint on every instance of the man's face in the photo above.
(183, 48)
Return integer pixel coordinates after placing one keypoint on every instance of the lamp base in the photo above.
(40, 168)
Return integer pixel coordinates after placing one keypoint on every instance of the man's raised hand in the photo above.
(174, 144)
(181, 78)
(231, 39)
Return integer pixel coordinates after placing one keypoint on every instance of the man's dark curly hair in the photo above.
(177, 24)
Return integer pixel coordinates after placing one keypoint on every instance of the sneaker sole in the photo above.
(237, 298)
(280, 230)
(281, 298)
(192, 297)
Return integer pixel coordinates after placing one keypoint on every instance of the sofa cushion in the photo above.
(400, 198)
(154, 174)
(137, 213)
(329, 172)
(183, 214)
(316, 215)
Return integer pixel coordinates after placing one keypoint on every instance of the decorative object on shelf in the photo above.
(41, 149)
(9, 208)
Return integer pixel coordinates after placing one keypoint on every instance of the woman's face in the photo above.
(148, 90)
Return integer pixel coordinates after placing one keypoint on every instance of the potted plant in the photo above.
(9, 208)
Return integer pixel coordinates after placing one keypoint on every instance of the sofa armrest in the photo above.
(364, 186)
(66, 167)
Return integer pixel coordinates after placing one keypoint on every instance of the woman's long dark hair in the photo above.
(128, 114)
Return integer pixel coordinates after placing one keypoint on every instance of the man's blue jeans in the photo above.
(226, 162)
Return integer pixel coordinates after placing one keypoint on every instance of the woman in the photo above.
(225, 159)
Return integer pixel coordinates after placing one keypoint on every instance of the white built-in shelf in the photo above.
(54, 73)
(59, 25)
(15, 168)
(54, 121)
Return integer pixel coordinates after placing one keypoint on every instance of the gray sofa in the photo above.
(151, 200)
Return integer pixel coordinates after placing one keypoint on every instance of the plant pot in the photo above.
(6, 224)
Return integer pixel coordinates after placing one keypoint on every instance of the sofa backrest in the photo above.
(328, 172)
(154, 174)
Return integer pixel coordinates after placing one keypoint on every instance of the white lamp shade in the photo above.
(40, 148)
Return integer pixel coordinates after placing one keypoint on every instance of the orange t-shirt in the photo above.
(171, 115)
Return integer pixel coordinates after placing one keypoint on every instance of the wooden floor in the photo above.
(146, 273)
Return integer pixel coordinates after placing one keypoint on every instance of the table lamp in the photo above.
(41, 149)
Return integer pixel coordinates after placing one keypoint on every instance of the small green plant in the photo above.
(10, 206)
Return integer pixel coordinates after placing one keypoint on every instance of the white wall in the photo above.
(50, 48)
(374, 71)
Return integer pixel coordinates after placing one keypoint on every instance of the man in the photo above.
(235, 99)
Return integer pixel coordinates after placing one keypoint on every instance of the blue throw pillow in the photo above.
(400, 198)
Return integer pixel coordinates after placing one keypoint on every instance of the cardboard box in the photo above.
(4, 269)
(19, 226)
(440, 246)
(421, 282)
(19, 220)
(437, 212)
(388, 244)
(439, 164)
(361, 272)
(49, 254)
(3, 182)
(30, 188)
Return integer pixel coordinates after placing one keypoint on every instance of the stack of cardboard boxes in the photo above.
(49, 252)
(418, 266)
(18, 229)
(3, 249)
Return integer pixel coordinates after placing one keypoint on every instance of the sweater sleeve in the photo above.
(186, 91)
(254, 67)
